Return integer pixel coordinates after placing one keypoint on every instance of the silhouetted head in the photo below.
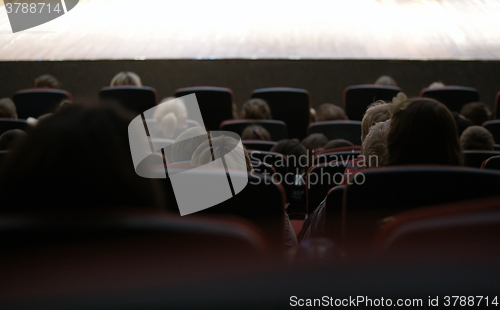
(255, 109)
(77, 159)
(126, 78)
(330, 112)
(255, 132)
(477, 138)
(47, 81)
(424, 132)
(7, 108)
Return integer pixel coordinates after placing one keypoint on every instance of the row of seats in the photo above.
(290, 105)
(354, 212)
(329, 167)
(136, 259)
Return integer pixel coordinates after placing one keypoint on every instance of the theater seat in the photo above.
(496, 112)
(494, 128)
(320, 179)
(258, 145)
(34, 102)
(391, 190)
(454, 97)
(261, 202)
(7, 124)
(215, 104)
(290, 105)
(357, 98)
(455, 232)
(277, 129)
(263, 168)
(95, 252)
(338, 154)
(348, 130)
(475, 159)
(491, 163)
(134, 98)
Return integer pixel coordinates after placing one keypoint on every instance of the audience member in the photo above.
(477, 138)
(171, 117)
(217, 147)
(314, 141)
(10, 138)
(374, 148)
(386, 81)
(47, 81)
(461, 122)
(187, 142)
(330, 112)
(476, 112)
(375, 113)
(422, 131)
(337, 143)
(255, 132)
(79, 159)
(295, 153)
(7, 108)
(126, 78)
(255, 109)
(435, 85)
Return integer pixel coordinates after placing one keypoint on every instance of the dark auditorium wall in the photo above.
(325, 79)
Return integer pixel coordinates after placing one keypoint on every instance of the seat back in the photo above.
(357, 98)
(277, 160)
(155, 130)
(277, 129)
(491, 163)
(3, 154)
(338, 154)
(215, 104)
(387, 191)
(496, 110)
(320, 179)
(88, 253)
(290, 105)
(134, 98)
(261, 202)
(263, 168)
(7, 124)
(167, 150)
(258, 145)
(467, 232)
(348, 130)
(494, 128)
(454, 97)
(475, 159)
(35, 102)
(334, 215)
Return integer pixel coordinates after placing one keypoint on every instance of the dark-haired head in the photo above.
(255, 132)
(10, 138)
(47, 81)
(218, 147)
(295, 153)
(7, 108)
(79, 158)
(330, 112)
(333, 144)
(255, 109)
(476, 112)
(423, 133)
